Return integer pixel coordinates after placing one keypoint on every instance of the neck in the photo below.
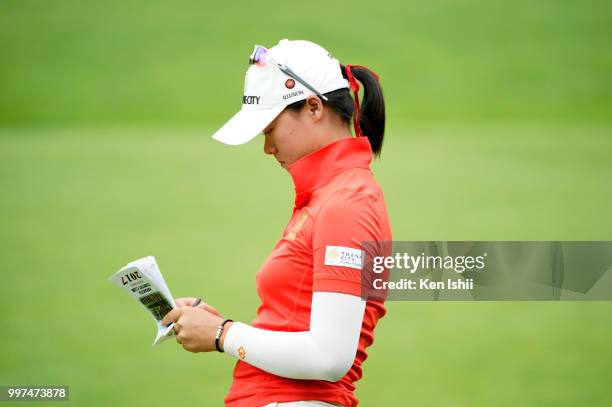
(332, 133)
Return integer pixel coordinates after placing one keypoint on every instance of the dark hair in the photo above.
(371, 113)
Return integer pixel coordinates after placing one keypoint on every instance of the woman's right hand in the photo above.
(188, 302)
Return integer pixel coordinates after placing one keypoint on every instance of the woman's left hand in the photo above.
(195, 328)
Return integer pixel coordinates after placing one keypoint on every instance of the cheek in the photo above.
(292, 146)
(284, 138)
(291, 140)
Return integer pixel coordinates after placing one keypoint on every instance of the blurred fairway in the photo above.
(78, 204)
(500, 127)
(183, 61)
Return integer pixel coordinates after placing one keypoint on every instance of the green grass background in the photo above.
(498, 128)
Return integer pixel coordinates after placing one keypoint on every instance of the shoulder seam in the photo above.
(324, 204)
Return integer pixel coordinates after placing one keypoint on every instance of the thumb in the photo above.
(210, 309)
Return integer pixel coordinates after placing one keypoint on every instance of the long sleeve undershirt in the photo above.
(325, 352)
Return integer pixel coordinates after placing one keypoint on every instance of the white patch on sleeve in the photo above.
(343, 256)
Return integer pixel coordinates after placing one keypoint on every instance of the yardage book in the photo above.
(145, 283)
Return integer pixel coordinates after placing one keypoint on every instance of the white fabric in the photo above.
(246, 123)
(267, 90)
(325, 352)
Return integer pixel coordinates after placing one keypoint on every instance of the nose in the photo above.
(269, 147)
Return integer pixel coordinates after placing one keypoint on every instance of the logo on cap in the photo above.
(289, 83)
(293, 94)
(250, 100)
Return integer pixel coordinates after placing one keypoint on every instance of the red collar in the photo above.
(316, 169)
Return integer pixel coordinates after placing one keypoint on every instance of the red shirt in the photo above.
(338, 203)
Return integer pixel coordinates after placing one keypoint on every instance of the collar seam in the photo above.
(331, 178)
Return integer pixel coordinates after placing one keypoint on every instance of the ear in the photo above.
(314, 108)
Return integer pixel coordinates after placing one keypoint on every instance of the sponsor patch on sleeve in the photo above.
(343, 256)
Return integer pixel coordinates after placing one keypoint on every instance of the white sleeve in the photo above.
(325, 352)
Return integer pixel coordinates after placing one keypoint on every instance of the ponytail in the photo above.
(369, 119)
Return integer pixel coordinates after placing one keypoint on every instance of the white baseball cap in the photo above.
(287, 73)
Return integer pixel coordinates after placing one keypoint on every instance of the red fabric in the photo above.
(354, 85)
(338, 203)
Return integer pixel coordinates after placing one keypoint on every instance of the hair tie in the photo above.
(354, 86)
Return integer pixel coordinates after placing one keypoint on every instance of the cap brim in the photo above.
(246, 124)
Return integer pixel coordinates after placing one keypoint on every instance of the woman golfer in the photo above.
(309, 339)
